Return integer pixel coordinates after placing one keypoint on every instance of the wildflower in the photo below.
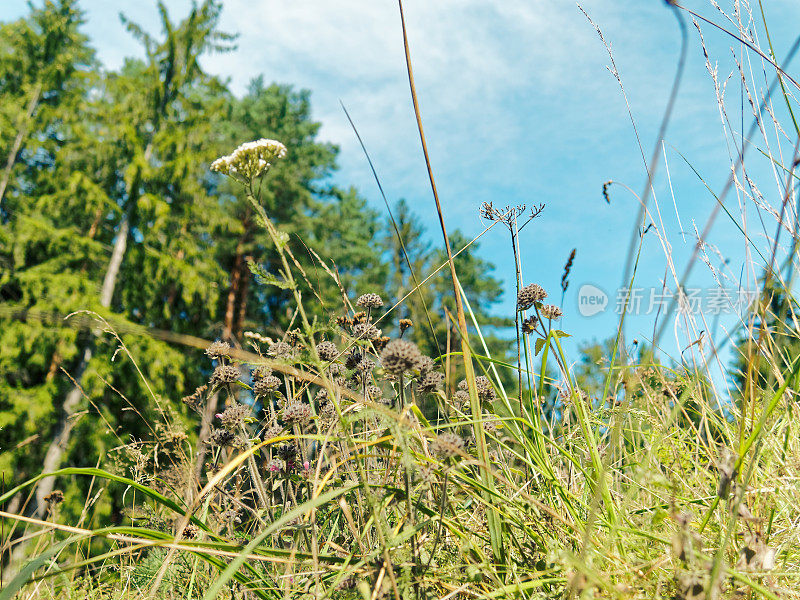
(224, 374)
(265, 385)
(221, 437)
(369, 301)
(53, 498)
(431, 381)
(273, 431)
(279, 350)
(400, 356)
(530, 295)
(448, 445)
(260, 372)
(233, 417)
(327, 351)
(365, 365)
(250, 159)
(425, 364)
(296, 412)
(218, 349)
(549, 311)
(366, 331)
(529, 324)
(485, 389)
(193, 401)
(405, 324)
(275, 465)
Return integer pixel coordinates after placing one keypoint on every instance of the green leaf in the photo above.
(539, 345)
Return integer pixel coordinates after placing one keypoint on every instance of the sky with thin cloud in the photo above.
(519, 107)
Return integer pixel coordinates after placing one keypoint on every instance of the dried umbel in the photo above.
(529, 295)
(233, 417)
(431, 381)
(224, 374)
(374, 393)
(400, 356)
(448, 445)
(327, 351)
(405, 324)
(265, 385)
(369, 301)
(218, 349)
(550, 311)
(250, 159)
(296, 413)
(260, 372)
(53, 498)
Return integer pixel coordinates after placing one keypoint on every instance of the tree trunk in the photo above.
(23, 131)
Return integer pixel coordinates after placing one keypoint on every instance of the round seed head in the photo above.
(431, 381)
(296, 412)
(369, 301)
(366, 331)
(260, 372)
(400, 356)
(273, 431)
(529, 324)
(463, 385)
(233, 417)
(279, 350)
(221, 437)
(462, 396)
(448, 445)
(425, 364)
(224, 374)
(365, 365)
(530, 295)
(218, 349)
(485, 389)
(265, 385)
(374, 393)
(327, 351)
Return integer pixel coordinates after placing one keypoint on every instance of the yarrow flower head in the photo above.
(250, 159)
(530, 295)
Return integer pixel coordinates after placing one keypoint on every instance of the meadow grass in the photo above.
(370, 471)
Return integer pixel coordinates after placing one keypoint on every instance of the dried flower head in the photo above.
(485, 388)
(405, 324)
(224, 374)
(431, 381)
(191, 531)
(54, 497)
(400, 356)
(369, 301)
(463, 385)
(221, 437)
(276, 465)
(425, 365)
(462, 396)
(327, 351)
(529, 295)
(374, 393)
(195, 400)
(380, 343)
(359, 317)
(353, 358)
(365, 365)
(265, 385)
(448, 445)
(218, 349)
(529, 324)
(234, 416)
(260, 372)
(296, 412)
(550, 311)
(250, 159)
(273, 431)
(366, 331)
(279, 350)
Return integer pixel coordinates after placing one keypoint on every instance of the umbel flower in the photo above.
(369, 301)
(250, 159)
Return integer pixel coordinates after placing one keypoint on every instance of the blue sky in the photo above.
(518, 107)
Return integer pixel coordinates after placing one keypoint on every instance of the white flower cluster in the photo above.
(250, 159)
